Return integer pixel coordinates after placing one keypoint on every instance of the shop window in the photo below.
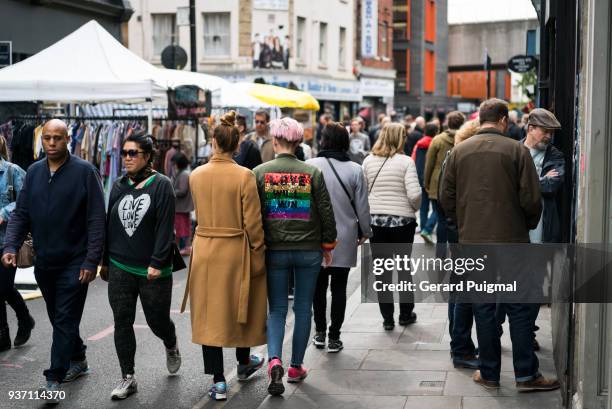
(430, 21)
(164, 32)
(217, 35)
(430, 72)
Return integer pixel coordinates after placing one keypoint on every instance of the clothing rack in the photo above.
(83, 118)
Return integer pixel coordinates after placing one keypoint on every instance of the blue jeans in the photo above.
(306, 266)
(461, 319)
(65, 299)
(427, 223)
(522, 319)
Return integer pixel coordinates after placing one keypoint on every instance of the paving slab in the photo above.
(335, 402)
(346, 382)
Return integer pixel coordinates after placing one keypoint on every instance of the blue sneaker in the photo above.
(245, 371)
(50, 393)
(218, 391)
(76, 370)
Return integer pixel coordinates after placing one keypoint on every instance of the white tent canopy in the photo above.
(86, 65)
(91, 65)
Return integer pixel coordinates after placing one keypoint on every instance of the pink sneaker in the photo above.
(295, 375)
(276, 372)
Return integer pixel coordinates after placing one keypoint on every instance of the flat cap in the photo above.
(544, 118)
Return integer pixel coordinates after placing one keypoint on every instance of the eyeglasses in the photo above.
(132, 153)
(260, 122)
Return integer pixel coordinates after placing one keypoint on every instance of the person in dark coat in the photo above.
(249, 155)
(550, 165)
(415, 135)
(514, 131)
(496, 199)
(62, 204)
(419, 155)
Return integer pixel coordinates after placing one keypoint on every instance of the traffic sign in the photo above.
(174, 57)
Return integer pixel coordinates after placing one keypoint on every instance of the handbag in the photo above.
(359, 231)
(177, 260)
(25, 255)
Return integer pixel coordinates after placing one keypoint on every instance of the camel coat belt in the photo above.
(228, 232)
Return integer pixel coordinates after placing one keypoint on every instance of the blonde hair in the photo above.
(3, 148)
(467, 130)
(390, 141)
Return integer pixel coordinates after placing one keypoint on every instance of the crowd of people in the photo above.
(270, 216)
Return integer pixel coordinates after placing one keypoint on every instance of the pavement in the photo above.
(406, 368)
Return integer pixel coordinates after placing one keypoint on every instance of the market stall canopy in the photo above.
(86, 65)
(279, 96)
(235, 96)
(175, 78)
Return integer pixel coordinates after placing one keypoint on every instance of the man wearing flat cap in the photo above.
(550, 165)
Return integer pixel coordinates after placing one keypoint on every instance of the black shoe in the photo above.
(334, 345)
(24, 331)
(388, 325)
(411, 319)
(319, 340)
(5, 339)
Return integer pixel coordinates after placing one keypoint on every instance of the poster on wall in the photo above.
(271, 43)
(369, 28)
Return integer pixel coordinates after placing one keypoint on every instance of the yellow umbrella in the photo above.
(282, 97)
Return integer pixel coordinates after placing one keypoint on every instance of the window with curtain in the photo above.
(301, 39)
(342, 48)
(217, 35)
(164, 32)
(323, 43)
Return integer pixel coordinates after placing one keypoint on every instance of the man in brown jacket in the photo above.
(491, 190)
(261, 136)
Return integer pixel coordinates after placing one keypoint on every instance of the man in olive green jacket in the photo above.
(439, 148)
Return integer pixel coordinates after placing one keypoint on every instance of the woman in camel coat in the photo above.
(227, 279)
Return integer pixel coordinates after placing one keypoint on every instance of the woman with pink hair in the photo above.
(300, 233)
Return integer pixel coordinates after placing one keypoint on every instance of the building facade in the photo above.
(374, 64)
(420, 52)
(302, 44)
(32, 26)
(501, 40)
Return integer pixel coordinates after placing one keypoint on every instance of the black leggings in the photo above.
(381, 240)
(9, 295)
(339, 278)
(155, 297)
(213, 358)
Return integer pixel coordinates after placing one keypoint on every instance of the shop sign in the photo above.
(188, 101)
(281, 5)
(522, 63)
(6, 53)
(369, 28)
(377, 87)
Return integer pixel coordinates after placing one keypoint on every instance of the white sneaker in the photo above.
(126, 387)
(173, 359)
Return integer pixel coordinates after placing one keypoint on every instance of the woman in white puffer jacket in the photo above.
(395, 197)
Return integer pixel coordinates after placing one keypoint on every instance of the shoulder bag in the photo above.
(359, 231)
(377, 173)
